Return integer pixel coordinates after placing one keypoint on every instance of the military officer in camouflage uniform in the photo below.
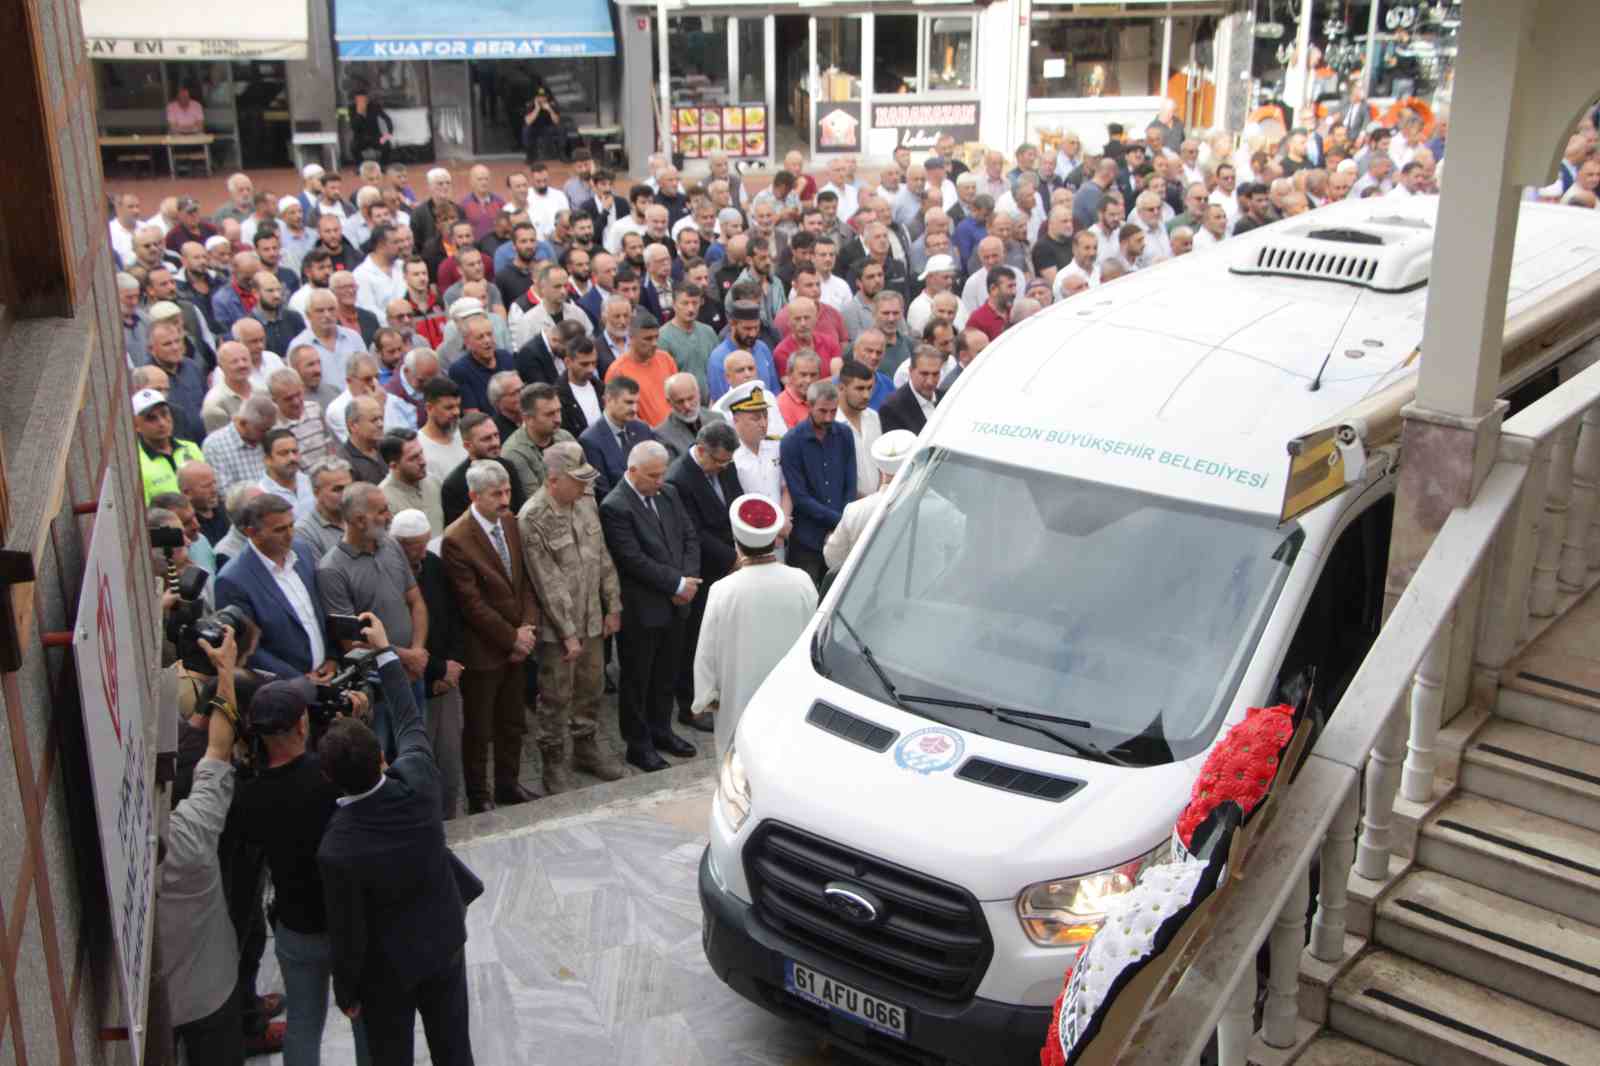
(578, 588)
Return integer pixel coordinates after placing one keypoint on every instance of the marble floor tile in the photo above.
(584, 949)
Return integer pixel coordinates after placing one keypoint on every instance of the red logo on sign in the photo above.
(106, 625)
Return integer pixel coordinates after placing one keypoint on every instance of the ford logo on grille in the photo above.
(854, 904)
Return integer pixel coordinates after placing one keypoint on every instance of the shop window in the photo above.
(699, 48)
(752, 60)
(839, 57)
(895, 54)
(397, 83)
(129, 87)
(1094, 57)
(949, 51)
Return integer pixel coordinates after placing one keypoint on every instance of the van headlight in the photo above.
(733, 790)
(1068, 911)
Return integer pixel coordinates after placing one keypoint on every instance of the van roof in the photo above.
(1188, 380)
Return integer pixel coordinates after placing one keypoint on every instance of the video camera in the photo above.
(333, 695)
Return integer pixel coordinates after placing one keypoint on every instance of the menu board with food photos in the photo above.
(739, 130)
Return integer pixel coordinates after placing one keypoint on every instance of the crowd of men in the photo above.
(532, 430)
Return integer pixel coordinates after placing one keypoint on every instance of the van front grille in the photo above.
(930, 938)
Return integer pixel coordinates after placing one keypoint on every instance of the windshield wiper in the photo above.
(872, 661)
(1029, 720)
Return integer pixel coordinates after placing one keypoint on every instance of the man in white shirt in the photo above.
(938, 279)
(377, 279)
(1225, 194)
(284, 478)
(839, 184)
(1085, 263)
(361, 379)
(1213, 227)
(1147, 216)
(1406, 183)
(835, 291)
(123, 226)
(440, 436)
(544, 203)
(580, 380)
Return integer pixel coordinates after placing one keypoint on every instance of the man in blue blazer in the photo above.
(606, 444)
(276, 586)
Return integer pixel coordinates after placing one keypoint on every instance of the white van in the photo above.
(1079, 579)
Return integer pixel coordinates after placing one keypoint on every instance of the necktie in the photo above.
(716, 487)
(498, 537)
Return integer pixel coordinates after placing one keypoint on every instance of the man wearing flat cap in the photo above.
(575, 580)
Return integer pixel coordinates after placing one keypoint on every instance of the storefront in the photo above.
(457, 76)
(755, 82)
(229, 55)
(1090, 65)
(1409, 47)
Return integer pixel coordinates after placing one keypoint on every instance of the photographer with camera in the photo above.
(396, 897)
(199, 956)
(283, 810)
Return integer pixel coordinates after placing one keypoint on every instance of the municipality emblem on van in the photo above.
(928, 751)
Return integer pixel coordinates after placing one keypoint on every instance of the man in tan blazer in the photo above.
(482, 555)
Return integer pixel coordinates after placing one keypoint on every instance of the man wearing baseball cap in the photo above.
(160, 454)
(577, 582)
(189, 226)
(937, 277)
(283, 810)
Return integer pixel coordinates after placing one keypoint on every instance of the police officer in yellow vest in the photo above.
(160, 454)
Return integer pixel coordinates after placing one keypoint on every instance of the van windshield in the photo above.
(1056, 613)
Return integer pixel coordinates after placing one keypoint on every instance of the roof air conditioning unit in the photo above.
(1384, 253)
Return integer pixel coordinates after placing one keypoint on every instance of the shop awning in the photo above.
(475, 29)
(184, 30)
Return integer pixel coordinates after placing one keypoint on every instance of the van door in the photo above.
(1343, 614)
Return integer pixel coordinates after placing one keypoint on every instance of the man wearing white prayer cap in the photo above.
(888, 452)
(753, 616)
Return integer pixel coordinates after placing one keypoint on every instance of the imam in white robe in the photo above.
(753, 617)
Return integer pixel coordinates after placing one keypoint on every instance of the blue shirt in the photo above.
(508, 251)
(968, 233)
(882, 389)
(473, 377)
(766, 368)
(821, 478)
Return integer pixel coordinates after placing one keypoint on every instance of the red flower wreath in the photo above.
(1050, 1054)
(1241, 768)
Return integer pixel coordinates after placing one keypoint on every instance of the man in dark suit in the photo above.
(536, 360)
(481, 438)
(909, 406)
(482, 554)
(276, 586)
(655, 547)
(609, 441)
(707, 483)
(397, 911)
(682, 426)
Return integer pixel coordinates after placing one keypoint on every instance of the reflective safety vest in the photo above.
(160, 472)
